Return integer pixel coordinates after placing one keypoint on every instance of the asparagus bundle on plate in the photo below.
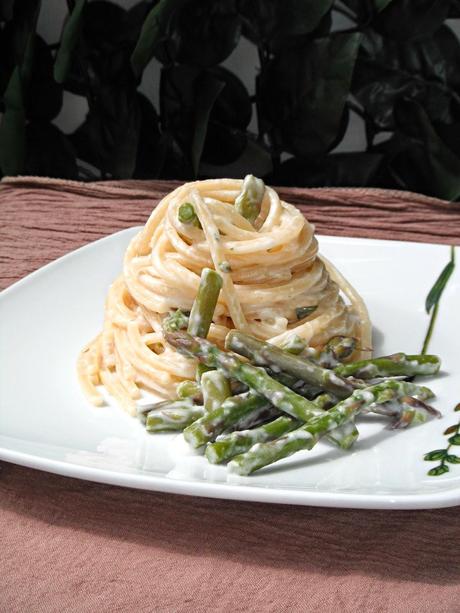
(257, 403)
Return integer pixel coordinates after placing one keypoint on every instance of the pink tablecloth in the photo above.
(69, 545)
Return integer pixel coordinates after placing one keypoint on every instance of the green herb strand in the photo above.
(444, 455)
(434, 296)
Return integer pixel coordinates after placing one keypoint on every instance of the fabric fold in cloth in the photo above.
(75, 546)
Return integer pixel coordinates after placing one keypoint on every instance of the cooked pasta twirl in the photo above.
(274, 285)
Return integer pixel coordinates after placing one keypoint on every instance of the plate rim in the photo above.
(228, 491)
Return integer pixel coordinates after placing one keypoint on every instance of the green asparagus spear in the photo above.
(232, 410)
(305, 437)
(177, 320)
(172, 415)
(265, 354)
(205, 303)
(190, 389)
(295, 344)
(200, 370)
(336, 350)
(295, 384)
(413, 411)
(405, 411)
(187, 215)
(325, 401)
(255, 378)
(279, 395)
(391, 365)
(344, 436)
(249, 201)
(216, 388)
(255, 419)
(228, 445)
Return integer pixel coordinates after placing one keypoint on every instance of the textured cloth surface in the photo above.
(69, 545)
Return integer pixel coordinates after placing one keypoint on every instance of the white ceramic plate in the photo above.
(46, 423)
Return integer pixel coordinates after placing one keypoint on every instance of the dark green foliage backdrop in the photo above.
(395, 63)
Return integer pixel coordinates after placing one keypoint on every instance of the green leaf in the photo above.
(366, 10)
(454, 440)
(438, 470)
(233, 107)
(452, 458)
(437, 454)
(451, 429)
(22, 30)
(152, 146)
(60, 158)
(433, 163)
(410, 19)
(254, 159)
(223, 144)
(425, 71)
(153, 31)
(381, 4)
(6, 10)
(454, 12)
(109, 136)
(302, 94)
(271, 22)
(357, 169)
(12, 127)
(436, 291)
(187, 95)
(457, 407)
(42, 96)
(69, 39)
(205, 33)
(208, 88)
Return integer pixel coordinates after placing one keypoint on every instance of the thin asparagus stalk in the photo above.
(216, 388)
(265, 354)
(390, 366)
(255, 419)
(255, 378)
(172, 416)
(344, 436)
(249, 200)
(190, 389)
(295, 345)
(336, 350)
(305, 437)
(413, 411)
(200, 370)
(228, 445)
(232, 410)
(258, 380)
(263, 454)
(205, 303)
(295, 384)
(187, 215)
(405, 411)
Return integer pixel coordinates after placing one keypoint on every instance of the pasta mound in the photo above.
(270, 270)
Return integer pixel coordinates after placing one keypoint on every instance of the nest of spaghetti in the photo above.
(274, 286)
